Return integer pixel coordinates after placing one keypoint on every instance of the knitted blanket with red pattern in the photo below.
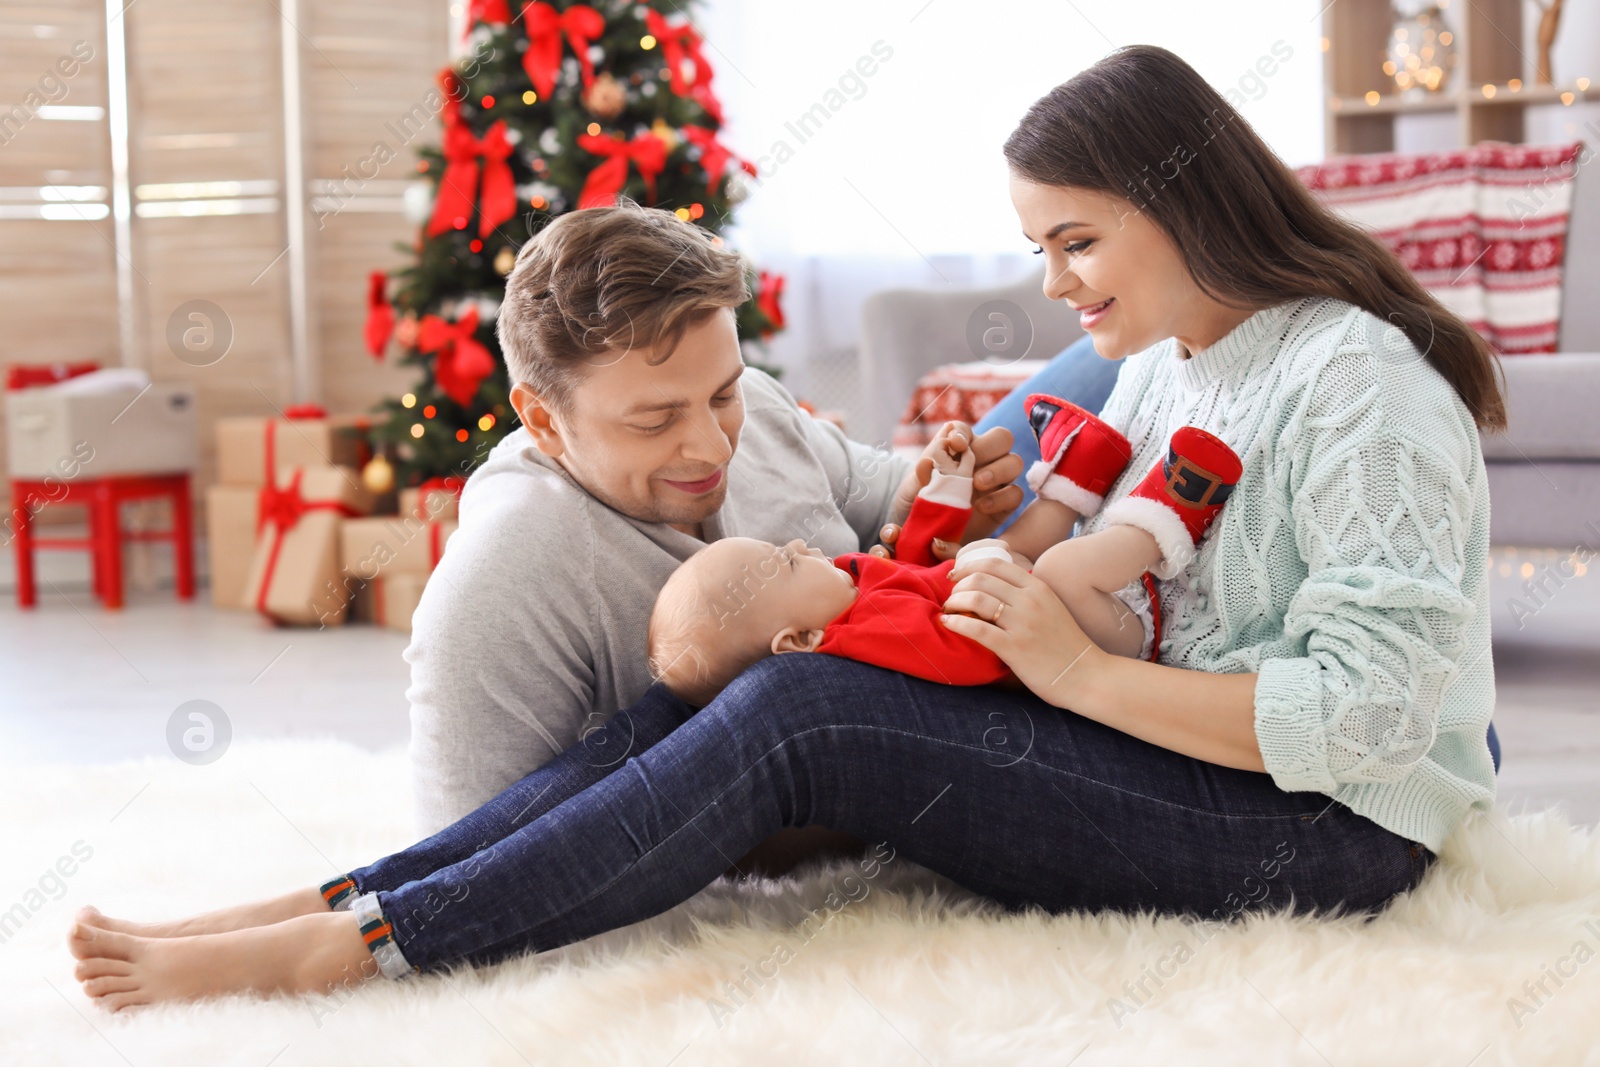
(1484, 229)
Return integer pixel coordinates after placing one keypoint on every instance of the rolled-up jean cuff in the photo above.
(339, 892)
(379, 937)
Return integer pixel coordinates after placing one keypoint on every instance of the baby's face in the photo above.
(762, 588)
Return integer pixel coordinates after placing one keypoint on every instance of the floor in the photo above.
(84, 685)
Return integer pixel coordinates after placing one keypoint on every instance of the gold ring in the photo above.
(996, 620)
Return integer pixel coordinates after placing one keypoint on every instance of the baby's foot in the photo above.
(1081, 456)
(1181, 496)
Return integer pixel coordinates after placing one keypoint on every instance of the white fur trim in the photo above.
(1159, 521)
(1066, 491)
(1041, 469)
(952, 490)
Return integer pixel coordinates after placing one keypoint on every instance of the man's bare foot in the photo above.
(309, 954)
(241, 917)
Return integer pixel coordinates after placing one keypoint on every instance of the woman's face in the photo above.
(1117, 269)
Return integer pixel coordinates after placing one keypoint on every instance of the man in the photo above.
(643, 437)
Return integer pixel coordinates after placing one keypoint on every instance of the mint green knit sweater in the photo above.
(1349, 567)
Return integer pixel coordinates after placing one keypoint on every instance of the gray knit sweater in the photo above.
(532, 630)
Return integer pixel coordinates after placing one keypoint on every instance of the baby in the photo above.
(739, 600)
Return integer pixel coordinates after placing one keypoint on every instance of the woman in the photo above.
(1313, 732)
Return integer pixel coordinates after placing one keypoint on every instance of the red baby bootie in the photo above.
(1178, 499)
(1081, 456)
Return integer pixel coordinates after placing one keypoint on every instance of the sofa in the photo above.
(1544, 472)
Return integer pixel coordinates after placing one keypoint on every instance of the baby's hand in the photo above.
(951, 450)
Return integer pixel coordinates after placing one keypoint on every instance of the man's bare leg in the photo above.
(290, 905)
(308, 954)
(1085, 571)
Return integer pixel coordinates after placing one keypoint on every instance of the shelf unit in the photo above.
(1488, 91)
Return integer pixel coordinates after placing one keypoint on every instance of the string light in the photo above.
(409, 400)
(476, 245)
(593, 129)
(429, 412)
(461, 435)
(486, 423)
(696, 210)
(416, 429)
(647, 42)
(530, 97)
(488, 102)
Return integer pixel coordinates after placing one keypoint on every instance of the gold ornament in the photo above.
(378, 474)
(668, 135)
(504, 260)
(605, 98)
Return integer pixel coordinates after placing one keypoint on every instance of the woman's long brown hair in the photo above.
(1142, 125)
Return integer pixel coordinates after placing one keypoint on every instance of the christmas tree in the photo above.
(561, 107)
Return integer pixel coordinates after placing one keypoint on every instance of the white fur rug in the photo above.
(900, 968)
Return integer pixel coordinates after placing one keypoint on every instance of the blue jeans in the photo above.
(1008, 796)
(1078, 374)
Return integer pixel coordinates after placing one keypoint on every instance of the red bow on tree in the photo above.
(458, 187)
(462, 363)
(380, 316)
(682, 42)
(580, 22)
(769, 288)
(496, 11)
(647, 151)
(714, 156)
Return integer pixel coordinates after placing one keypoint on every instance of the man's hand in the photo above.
(994, 497)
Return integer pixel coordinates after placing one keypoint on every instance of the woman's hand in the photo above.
(1019, 619)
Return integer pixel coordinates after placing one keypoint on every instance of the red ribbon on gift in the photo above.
(714, 156)
(580, 22)
(769, 288)
(682, 42)
(461, 363)
(646, 151)
(458, 187)
(496, 12)
(282, 509)
(452, 484)
(380, 315)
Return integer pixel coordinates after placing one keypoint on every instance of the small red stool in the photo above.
(104, 498)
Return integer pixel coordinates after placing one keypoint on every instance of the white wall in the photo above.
(910, 161)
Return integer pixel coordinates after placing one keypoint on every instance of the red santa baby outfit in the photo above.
(894, 620)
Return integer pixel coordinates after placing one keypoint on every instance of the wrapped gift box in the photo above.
(243, 444)
(294, 573)
(395, 598)
(400, 544)
(430, 501)
(123, 428)
(231, 539)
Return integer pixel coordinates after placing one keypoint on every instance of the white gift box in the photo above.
(78, 430)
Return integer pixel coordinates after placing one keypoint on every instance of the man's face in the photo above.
(654, 441)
